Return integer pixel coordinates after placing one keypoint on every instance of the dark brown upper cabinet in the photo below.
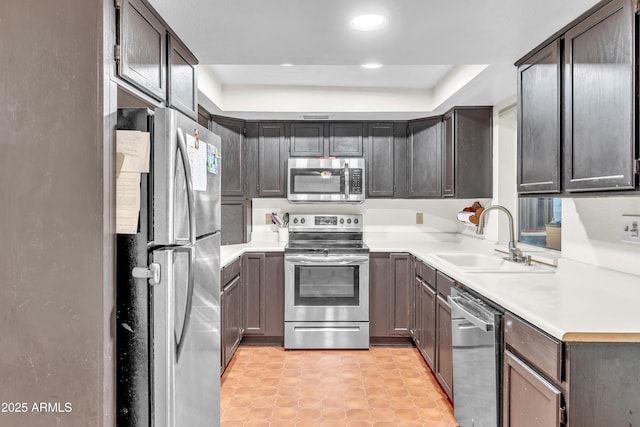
(467, 157)
(380, 160)
(272, 160)
(182, 90)
(232, 167)
(345, 139)
(307, 139)
(338, 139)
(140, 57)
(424, 158)
(600, 100)
(236, 220)
(539, 137)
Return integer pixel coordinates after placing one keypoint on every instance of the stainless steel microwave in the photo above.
(338, 180)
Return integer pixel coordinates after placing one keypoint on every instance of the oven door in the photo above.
(326, 288)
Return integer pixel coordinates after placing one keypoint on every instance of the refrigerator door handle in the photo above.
(188, 305)
(182, 146)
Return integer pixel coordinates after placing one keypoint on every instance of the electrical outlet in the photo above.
(419, 218)
(267, 219)
(629, 225)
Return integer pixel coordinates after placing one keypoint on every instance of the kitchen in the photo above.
(58, 266)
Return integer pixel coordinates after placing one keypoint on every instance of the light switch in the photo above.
(419, 218)
(629, 225)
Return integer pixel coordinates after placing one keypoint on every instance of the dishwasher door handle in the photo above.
(467, 315)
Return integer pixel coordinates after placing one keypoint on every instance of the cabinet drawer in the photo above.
(538, 348)
(230, 271)
(444, 284)
(429, 275)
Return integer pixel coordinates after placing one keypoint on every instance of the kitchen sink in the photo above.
(483, 263)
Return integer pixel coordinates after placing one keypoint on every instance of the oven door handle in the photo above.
(340, 260)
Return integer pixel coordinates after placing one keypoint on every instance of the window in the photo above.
(540, 221)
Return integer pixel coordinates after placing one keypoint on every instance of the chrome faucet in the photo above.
(515, 254)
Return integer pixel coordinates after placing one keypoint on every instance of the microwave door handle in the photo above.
(347, 182)
(182, 146)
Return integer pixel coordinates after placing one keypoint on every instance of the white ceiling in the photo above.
(423, 46)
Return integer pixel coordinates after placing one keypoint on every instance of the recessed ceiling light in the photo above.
(368, 22)
(372, 65)
(286, 64)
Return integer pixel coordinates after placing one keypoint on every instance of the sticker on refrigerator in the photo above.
(212, 158)
(198, 161)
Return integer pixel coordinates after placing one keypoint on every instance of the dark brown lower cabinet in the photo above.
(232, 318)
(604, 384)
(263, 276)
(390, 284)
(232, 311)
(529, 399)
(427, 344)
(444, 348)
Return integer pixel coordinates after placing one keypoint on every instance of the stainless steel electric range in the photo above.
(326, 283)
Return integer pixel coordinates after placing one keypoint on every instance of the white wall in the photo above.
(591, 232)
(380, 215)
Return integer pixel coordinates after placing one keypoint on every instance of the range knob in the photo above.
(302, 221)
(295, 220)
(341, 220)
(355, 221)
(349, 221)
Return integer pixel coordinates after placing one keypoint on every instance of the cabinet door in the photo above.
(400, 298)
(235, 221)
(424, 163)
(448, 176)
(428, 324)
(472, 153)
(274, 290)
(182, 91)
(253, 274)
(272, 160)
(380, 160)
(232, 329)
(528, 399)
(232, 165)
(307, 139)
(539, 138)
(345, 139)
(379, 284)
(600, 94)
(444, 357)
(142, 49)
(417, 339)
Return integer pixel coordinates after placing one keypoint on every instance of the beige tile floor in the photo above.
(268, 386)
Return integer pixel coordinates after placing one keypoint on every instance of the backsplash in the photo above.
(380, 215)
(591, 232)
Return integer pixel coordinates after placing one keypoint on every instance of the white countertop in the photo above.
(579, 302)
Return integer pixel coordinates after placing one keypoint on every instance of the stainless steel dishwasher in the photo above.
(476, 338)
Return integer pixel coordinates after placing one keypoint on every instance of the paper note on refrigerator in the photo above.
(136, 147)
(127, 202)
(198, 163)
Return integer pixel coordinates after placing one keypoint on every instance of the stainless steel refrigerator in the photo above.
(168, 324)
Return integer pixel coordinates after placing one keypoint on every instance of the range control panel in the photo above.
(298, 222)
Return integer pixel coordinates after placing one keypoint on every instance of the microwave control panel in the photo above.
(356, 181)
